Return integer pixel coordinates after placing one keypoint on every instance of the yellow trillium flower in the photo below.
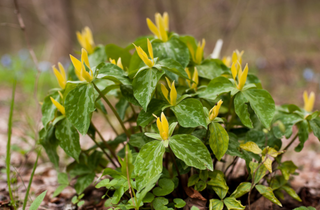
(194, 78)
(163, 127)
(237, 56)
(59, 106)
(226, 61)
(86, 40)
(60, 75)
(161, 27)
(236, 70)
(173, 92)
(308, 101)
(119, 64)
(213, 113)
(197, 54)
(144, 56)
(80, 66)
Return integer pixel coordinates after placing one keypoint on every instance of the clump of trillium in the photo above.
(165, 130)
(239, 75)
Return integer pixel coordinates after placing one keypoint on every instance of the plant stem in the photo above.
(30, 180)
(106, 144)
(108, 120)
(232, 116)
(290, 143)
(8, 155)
(135, 115)
(176, 166)
(113, 110)
(131, 190)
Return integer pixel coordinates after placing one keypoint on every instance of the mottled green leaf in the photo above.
(48, 109)
(154, 107)
(260, 173)
(305, 208)
(315, 127)
(216, 87)
(303, 134)
(193, 180)
(215, 204)
(174, 67)
(139, 140)
(121, 107)
(144, 85)
(98, 56)
(268, 193)
(287, 120)
(287, 168)
(232, 203)
(113, 72)
(218, 183)
(291, 192)
(262, 104)
(243, 188)
(148, 163)
(69, 139)
(79, 105)
(191, 150)
(127, 93)
(174, 49)
(241, 109)
(190, 113)
(219, 140)
(209, 69)
(166, 186)
(83, 182)
(50, 143)
(251, 147)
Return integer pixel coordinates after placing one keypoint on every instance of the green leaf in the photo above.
(194, 208)
(148, 163)
(174, 67)
(262, 104)
(63, 178)
(50, 143)
(139, 140)
(291, 192)
(48, 109)
(193, 180)
(268, 193)
(209, 69)
(260, 173)
(144, 85)
(216, 87)
(145, 117)
(83, 182)
(69, 139)
(114, 52)
(179, 203)
(305, 208)
(121, 107)
(191, 150)
(315, 127)
(233, 204)
(251, 147)
(288, 120)
(303, 134)
(127, 93)
(98, 56)
(241, 109)
(148, 198)
(59, 189)
(166, 186)
(159, 203)
(190, 113)
(142, 194)
(287, 168)
(112, 72)
(219, 140)
(215, 204)
(243, 188)
(174, 49)
(79, 105)
(36, 203)
(218, 183)
(127, 162)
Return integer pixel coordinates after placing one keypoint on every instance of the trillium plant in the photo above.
(186, 121)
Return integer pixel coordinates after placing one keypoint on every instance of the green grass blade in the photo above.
(8, 155)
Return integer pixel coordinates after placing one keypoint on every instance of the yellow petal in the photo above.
(195, 78)
(243, 77)
(59, 106)
(159, 125)
(88, 77)
(199, 52)
(163, 33)
(165, 92)
(59, 77)
(157, 17)
(308, 101)
(62, 71)
(190, 47)
(77, 67)
(168, 82)
(165, 126)
(189, 76)
(144, 56)
(80, 39)
(150, 49)
(119, 63)
(60, 94)
(234, 70)
(226, 61)
(112, 61)
(84, 57)
(234, 57)
(173, 95)
(153, 28)
(88, 35)
(166, 21)
(214, 112)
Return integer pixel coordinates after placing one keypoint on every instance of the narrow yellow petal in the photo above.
(84, 57)
(214, 112)
(159, 125)
(199, 51)
(59, 106)
(226, 61)
(60, 94)
(77, 67)
(308, 101)
(173, 95)
(150, 50)
(157, 17)
(166, 21)
(234, 57)
(63, 72)
(162, 30)
(165, 92)
(165, 126)
(168, 82)
(234, 70)
(88, 34)
(86, 75)
(195, 78)
(153, 28)
(112, 61)
(80, 39)
(143, 56)
(190, 47)
(305, 97)
(59, 77)
(243, 77)
(189, 76)
(119, 63)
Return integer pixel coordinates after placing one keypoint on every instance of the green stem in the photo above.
(8, 155)
(30, 181)
(113, 110)
(229, 126)
(131, 190)
(108, 120)
(290, 143)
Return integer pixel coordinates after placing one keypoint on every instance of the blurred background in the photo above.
(281, 38)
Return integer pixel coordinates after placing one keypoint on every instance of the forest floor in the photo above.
(306, 183)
